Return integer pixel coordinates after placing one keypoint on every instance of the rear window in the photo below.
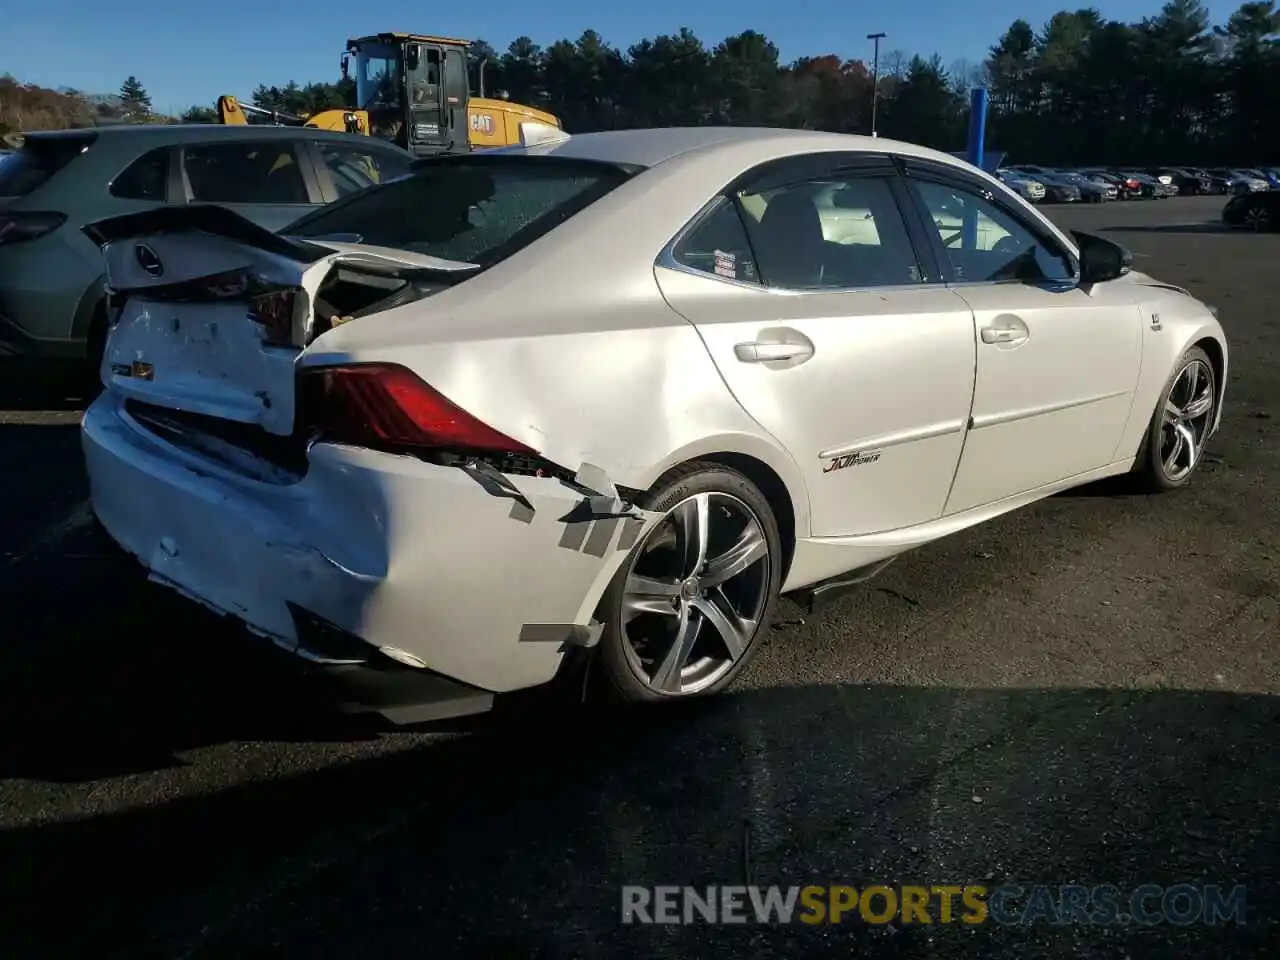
(477, 209)
(38, 160)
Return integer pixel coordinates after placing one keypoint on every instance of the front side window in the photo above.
(244, 172)
(479, 209)
(379, 76)
(353, 168)
(983, 242)
(841, 232)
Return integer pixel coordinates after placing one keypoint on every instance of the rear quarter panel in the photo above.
(591, 367)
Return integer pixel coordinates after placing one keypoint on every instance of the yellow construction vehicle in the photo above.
(413, 90)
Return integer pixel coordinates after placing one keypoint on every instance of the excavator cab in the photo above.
(414, 88)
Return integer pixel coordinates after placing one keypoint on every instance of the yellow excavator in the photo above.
(413, 90)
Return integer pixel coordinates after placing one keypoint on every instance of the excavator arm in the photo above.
(230, 110)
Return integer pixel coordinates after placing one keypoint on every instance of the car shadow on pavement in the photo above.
(517, 839)
(140, 675)
(45, 385)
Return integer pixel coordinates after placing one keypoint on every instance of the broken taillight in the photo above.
(273, 311)
(387, 406)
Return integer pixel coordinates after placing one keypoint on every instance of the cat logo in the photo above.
(482, 123)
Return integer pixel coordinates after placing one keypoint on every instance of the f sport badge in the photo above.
(851, 460)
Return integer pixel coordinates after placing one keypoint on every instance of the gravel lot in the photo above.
(1082, 692)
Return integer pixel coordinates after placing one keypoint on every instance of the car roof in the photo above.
(651, 146)
(173, 133)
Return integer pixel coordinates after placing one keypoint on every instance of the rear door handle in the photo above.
(1004, 333)
(762, 351)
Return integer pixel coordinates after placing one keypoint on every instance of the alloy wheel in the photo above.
(1256, 218)
(1188, 413)
(695, 593)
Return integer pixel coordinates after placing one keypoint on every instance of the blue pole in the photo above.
(976, 154)
(977, 126)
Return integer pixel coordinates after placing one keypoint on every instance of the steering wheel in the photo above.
(1006, 245)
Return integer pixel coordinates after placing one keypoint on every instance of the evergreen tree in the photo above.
(134, 99)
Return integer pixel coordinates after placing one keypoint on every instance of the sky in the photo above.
(190, 53)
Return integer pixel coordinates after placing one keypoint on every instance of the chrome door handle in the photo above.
(763, 351)
(1003, 334)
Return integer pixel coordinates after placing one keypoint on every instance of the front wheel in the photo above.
(1257, 218)
(684, 614)
(1180, 425)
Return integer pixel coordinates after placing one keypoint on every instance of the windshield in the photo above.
(379, 76)
(477, 209)
(38, 160)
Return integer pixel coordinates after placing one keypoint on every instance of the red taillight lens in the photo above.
(17, 227)
(386, 405)
(273, 311)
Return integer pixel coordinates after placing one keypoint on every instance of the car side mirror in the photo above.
(1101, 259)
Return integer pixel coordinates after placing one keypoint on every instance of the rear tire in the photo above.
(1174, 443)
(684, 614)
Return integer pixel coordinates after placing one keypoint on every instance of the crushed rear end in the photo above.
(347, 511)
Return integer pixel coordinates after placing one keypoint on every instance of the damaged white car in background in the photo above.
(603, 398)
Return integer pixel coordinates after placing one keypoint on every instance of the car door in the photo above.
(268, 181)
(346, 168)
(1057, 362)
(841, 348)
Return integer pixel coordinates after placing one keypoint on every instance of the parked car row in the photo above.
(1097, 184)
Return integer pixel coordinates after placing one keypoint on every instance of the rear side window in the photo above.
(244, 172)
(718, 246)
(354, 168)
(480, 209)
(145, 178)
(38, 160)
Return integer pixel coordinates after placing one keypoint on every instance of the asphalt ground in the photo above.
(1083, 692)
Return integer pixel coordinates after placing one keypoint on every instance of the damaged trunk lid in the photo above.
(209, 312)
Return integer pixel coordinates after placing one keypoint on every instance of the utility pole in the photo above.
(875, 77)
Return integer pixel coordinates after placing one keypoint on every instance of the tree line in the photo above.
(1171, 88)
(25, 106)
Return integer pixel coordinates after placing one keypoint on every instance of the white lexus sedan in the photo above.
(602, 398)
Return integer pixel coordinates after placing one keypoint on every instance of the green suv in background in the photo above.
(51, 296)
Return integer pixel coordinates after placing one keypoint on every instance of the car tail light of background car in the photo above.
(17, 227)
(389, 407)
